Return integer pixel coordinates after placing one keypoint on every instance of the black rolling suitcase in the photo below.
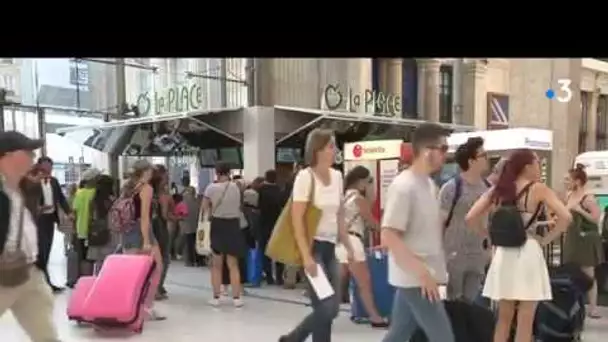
(470, 323)
(562, 319)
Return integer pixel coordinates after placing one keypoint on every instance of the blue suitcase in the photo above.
(382, 290)
(254, 267)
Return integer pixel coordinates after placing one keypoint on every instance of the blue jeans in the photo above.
(411, 310)
(319, 322)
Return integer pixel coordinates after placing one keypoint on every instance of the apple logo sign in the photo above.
(357, 151)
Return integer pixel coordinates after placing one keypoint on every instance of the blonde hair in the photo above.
(316, 141)
(137, 171)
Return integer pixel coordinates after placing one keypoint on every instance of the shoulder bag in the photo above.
(203, 230)
(14, 265)
(282, 245)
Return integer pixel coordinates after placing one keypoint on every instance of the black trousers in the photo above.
(275, 277)
(46, 232)
(190, 255)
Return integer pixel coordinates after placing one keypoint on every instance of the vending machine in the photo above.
(384, 159)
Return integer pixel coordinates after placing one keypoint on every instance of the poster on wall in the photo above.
(389, 168)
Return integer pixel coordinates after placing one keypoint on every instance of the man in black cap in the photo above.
(51, 201)
(24, 293)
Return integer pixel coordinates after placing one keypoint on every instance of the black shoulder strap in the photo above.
(582, 202)
(537, 212)
(457, 194)
(524, 191)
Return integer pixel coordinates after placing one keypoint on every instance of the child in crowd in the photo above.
(180, 212)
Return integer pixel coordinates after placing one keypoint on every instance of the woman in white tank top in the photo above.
(357, 212)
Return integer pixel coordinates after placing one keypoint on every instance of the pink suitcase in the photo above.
(78, 297)
(118, 295)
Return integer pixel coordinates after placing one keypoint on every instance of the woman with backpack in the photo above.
(583, 245)
(518, 277)
(140, 238)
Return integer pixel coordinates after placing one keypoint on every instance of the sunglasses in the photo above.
(441, 148)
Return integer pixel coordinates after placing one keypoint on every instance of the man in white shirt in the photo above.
(412, 231)
(30, 301)
(51, 202)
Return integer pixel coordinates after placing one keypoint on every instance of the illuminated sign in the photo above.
(376, 102)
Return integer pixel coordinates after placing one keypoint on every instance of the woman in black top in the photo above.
(140, 238)
(162, 216)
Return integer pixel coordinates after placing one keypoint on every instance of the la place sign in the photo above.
(374, 102)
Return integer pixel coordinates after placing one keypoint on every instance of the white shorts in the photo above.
(358, 250)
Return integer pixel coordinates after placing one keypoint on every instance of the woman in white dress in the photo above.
(519, 275)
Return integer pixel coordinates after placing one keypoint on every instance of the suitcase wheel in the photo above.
(358, 320)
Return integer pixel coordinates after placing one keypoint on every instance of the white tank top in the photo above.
(353, 218)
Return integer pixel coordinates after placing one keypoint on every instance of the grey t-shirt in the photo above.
(460, 241)
(412, 207)
(230, 205)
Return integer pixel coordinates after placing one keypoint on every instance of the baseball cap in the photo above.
(90, 174)
(11, 141)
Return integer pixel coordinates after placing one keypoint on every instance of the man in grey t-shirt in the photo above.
(466, 253)
(412, 231)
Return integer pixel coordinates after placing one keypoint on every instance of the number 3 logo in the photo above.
(565, 88)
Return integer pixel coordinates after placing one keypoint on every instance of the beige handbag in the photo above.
(14, 266)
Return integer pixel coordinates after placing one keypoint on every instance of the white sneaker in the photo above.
(238, 302)
(215, 302)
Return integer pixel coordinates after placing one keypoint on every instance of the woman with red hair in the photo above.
(519, 275)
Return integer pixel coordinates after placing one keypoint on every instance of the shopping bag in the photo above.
(282, 245)
(254, 267)
(203, 238)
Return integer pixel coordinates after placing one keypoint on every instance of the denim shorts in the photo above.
(133, 238)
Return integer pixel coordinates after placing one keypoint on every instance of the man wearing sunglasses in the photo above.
(412, 231)
(23, 289)
(464, 247)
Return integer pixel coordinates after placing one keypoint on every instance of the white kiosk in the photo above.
(499, 143)
(383, 159)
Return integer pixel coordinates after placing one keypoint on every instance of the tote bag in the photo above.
(203, 231)
(282, 245)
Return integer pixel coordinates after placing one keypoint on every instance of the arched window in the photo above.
(446, 81)
(582, 132)
(602, 116)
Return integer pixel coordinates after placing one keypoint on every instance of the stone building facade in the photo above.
(485, 93)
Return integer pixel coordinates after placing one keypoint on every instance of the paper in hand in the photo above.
(321, 284)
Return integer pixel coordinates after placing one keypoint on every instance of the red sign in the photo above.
(357, 151)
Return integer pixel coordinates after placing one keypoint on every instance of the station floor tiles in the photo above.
(268, 313)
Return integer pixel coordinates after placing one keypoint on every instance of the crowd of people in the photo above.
(434, 237)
